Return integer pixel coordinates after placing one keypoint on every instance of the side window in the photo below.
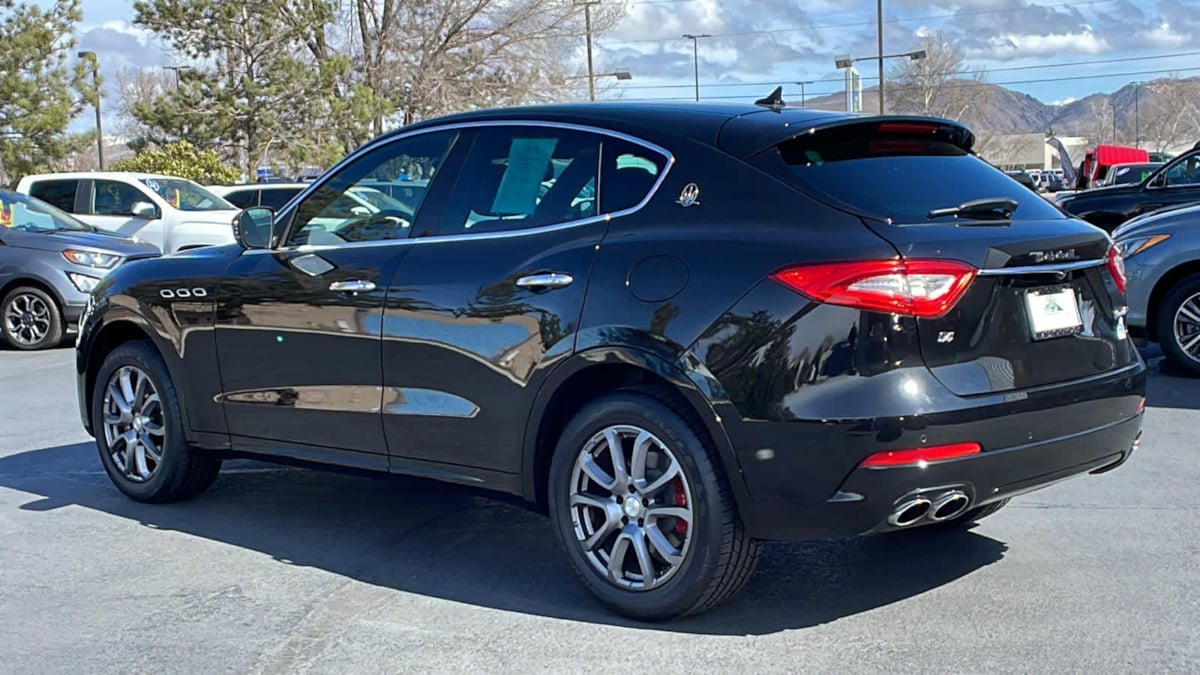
(277, 197)
(347, 209)
(516, 178)
(243, 199)
(115, 199)
(630, 172)
(59, 193)
(1186, 172)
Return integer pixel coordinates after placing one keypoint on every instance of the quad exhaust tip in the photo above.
(944, 506)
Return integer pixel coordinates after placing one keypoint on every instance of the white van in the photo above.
(170, 212)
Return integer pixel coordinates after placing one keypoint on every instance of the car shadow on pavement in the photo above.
(450, 542)
(1179, 389)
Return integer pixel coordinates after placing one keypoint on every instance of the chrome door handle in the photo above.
(353, 286)
(548, 280)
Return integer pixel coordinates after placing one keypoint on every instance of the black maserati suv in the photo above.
(679, 330)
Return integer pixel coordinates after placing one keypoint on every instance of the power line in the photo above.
(960, 85)
(794, 29)
(940, 74)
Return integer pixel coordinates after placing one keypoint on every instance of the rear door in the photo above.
(58, 192)
(1046, 305)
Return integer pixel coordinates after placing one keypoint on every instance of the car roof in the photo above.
(739, 128)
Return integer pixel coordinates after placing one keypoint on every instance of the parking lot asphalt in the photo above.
(286, 570)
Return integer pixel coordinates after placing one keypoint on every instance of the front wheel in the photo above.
(32, 319)
(644, 511)
(139, 429)
(1179, 325)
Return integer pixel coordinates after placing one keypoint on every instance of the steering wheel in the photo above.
(389, 224)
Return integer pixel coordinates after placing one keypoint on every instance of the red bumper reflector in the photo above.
(920, 456)
(1141, 405)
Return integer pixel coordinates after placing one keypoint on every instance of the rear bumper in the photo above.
(804, 492)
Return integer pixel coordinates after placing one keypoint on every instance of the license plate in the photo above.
(1053, 312)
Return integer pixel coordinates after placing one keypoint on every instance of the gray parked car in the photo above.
(49, 263)
(1162, 266)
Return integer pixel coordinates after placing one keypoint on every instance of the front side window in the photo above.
(58, 193)
(116, 199)
(517, 178)
(186, 195)
(350, 208)
(1185, 172)
(22, 213)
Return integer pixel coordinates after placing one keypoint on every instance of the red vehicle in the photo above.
(1096, 162)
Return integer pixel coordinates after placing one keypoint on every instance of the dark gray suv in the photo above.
(49, 263)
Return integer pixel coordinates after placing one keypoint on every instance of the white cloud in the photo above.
(1164, 37)
(1057, 45)
(1065, 101)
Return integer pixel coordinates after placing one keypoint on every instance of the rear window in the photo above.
(901, 176)
(58, 193)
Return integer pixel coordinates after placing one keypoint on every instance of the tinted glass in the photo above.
(1186, 172)
(28, 214)
(243, 199)
(58, 193)
(186, 195)
(1131, 173)
(902, 177)
(630, 171)
(347, 208)
(517, 178)
(115, 199)
(275, 198)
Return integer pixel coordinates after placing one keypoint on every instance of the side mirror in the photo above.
(144, 210)
(253, 227)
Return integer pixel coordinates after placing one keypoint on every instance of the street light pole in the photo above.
(91, 56)
(802, 99)
(177, 69)
(1137, 121)
(587, 29)
(879, 29)
(696, 58)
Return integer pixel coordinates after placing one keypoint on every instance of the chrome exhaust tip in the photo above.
(909, 512)
(949, 505)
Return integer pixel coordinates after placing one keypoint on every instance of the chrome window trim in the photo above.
(1041, 269)
(533, 231)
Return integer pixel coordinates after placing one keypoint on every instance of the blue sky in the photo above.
(1054, 50)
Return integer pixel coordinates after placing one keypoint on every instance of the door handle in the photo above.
(352, 286)
(547, 280)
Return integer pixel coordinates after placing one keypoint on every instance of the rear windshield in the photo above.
(902, 177)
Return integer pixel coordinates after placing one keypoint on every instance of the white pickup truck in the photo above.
(170, 212)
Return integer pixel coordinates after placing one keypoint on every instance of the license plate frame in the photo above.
(1053, 312)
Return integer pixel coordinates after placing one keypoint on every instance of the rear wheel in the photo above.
(644, 512)
(139, 430)
(32, 319)
(1179, 325)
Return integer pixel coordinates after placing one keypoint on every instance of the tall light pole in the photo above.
(844, 62)
(587, 29)
(695, 38)
(177, 69)
(1137, 120)
(91, 56)
(802, 91)
(879, 29)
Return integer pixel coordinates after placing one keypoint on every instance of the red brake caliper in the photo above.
(680, 500)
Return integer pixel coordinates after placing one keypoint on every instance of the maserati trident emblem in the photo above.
(690, 195)
(1054, 256)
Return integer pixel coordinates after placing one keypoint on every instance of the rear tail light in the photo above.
(1116, 266)
(920, 456)
(925, 289)
(907, 128)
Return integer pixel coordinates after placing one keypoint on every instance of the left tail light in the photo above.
(1116, 267)
(925, 289)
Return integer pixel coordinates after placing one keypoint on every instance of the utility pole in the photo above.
(695, 38)
(879, 29)
(1137, 121)
(177, 69)
(91, 56)
(802, 100)
(587, 29)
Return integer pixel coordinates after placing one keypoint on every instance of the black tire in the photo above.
(719, 557)
(1172, 349)
(967, 519)
(182, 472)
(49, 326)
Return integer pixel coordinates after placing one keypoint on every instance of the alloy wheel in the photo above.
(631, 507)
(134, 426)
(27, 319)
(1187, 327)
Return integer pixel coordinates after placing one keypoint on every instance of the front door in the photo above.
(111, 206)
(298, 326)
(487, 302)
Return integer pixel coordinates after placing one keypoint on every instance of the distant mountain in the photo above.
(1165, 111)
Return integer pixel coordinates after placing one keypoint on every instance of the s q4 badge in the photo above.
(689, 196)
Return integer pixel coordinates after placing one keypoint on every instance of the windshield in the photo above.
(28, 214)
(379, 200)
(903, 177)
(186, 195)
(1131, 173)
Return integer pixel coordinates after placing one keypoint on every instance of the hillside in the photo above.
(1164, 111)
